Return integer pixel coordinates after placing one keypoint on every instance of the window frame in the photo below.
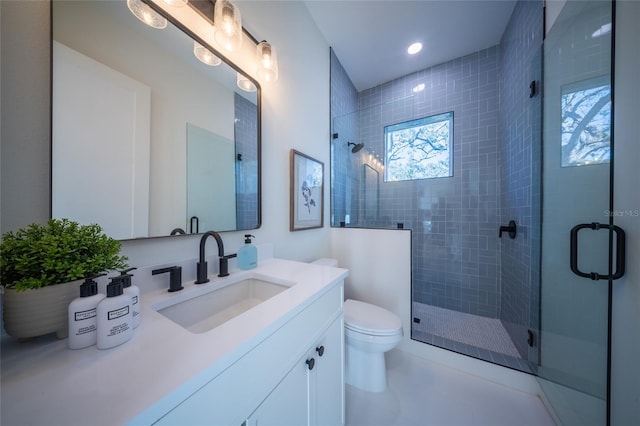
(430, 119)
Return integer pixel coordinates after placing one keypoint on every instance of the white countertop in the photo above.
(45, 383)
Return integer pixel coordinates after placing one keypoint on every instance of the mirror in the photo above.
(145, 137)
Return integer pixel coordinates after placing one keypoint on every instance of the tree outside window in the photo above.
(586, 123)
(419, 149)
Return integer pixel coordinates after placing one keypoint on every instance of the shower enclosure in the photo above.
(448, 154)
(456, 153)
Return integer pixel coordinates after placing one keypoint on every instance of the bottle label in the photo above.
(115, 314)
(118, 329)
(134, 300)
(84, 315)
(88, 329)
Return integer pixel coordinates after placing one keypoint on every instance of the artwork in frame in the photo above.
(307, 192)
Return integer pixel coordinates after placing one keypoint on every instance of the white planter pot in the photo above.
(32, 313)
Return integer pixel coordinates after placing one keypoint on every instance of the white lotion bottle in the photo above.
(115, 322)
(83, 321)
(132, 291)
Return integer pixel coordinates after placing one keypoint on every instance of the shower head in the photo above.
(356, 146)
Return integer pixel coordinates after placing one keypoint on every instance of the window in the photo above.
(419, 149)
(586, 122)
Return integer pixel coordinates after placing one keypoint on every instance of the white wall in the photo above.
(25, 113)
(379, 263)
(625, 408)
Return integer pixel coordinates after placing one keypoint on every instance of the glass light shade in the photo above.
(205, 56)
(227, 24)
(267, 60)
(176, 3)
(245, 84)
(145, 14)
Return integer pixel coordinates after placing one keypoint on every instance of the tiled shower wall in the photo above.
(454, 220)
(457, 256)
(344, 128)
(520, 128)
(246, 133)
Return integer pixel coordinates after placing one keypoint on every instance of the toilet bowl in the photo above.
(369, 332)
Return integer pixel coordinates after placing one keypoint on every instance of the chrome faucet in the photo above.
(201, 271)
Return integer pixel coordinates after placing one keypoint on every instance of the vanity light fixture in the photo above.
(204, 55)
(245, 84)
(227, 25)
(414, 48)
(145, 14)
(267, 60)
(176, 3)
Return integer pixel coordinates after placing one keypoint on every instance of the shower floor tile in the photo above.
(450, 329)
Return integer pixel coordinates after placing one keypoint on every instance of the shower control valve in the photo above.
(511, 229)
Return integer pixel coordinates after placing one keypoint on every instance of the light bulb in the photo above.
(227, 25)
(267, 60)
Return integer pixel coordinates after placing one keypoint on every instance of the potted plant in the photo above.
(40, 266)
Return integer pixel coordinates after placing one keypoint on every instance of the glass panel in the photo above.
(573, 340)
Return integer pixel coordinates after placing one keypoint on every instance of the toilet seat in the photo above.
(369, 319)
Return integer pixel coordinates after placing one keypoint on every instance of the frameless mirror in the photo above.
(147, 140)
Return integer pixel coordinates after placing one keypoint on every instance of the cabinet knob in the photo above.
(320, 350)
(311, 363)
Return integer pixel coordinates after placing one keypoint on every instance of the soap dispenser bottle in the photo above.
(132, 291)
(83, 323)
(247, 254)
(115, 322)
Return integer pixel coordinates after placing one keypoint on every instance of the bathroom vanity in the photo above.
(280, 361)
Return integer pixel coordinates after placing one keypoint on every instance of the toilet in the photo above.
(369, 332)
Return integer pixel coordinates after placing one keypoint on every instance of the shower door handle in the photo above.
(620, 251)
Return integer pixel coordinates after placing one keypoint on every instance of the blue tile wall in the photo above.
(246, 133)
(454, 220)
(344, 176)
(458, 260)
(520, 128)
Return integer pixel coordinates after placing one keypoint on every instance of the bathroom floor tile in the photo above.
(424, 393)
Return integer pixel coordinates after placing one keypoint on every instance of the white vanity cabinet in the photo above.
(312, 393)
(272, 383)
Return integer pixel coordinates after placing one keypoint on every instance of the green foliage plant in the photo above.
(56, 253)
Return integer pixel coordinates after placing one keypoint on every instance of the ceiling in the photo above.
(370, 37)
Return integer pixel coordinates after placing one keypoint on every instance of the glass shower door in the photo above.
(574, 310)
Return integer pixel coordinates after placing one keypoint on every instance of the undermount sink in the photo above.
(209, 310)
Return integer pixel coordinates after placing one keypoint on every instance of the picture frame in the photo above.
(306, 192)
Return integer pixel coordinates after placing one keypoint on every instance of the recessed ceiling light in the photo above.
(414, 48)
(418, 88)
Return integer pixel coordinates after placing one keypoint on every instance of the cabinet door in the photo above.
(326, 381)
(288, 404)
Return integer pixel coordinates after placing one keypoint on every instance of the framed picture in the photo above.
(307, 192)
